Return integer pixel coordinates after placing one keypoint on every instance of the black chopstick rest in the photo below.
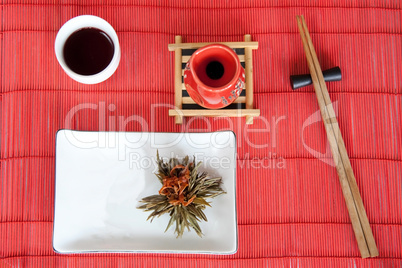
(302, 80)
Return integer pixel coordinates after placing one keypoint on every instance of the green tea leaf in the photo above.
(200, 200)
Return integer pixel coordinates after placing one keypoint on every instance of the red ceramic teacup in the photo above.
(213, 76)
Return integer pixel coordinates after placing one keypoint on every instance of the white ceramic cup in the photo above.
(75, 24)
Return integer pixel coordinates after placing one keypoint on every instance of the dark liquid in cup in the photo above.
(88, 51)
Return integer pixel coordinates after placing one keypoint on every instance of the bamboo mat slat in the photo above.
(289, 203)
(28, 190)
(377, 135)
(378, 52)
(255, 241)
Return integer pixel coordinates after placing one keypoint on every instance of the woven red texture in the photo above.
(290, 207)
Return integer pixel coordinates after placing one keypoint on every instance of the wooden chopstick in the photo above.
(354, 203)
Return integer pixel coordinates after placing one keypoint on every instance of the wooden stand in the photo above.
(185, 106)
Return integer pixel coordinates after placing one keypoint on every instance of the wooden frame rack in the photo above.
(185, 106)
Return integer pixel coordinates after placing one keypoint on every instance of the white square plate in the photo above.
(102, 176)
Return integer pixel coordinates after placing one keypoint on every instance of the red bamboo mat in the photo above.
(288, 215)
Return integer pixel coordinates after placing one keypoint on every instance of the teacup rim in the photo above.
(232, 82)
